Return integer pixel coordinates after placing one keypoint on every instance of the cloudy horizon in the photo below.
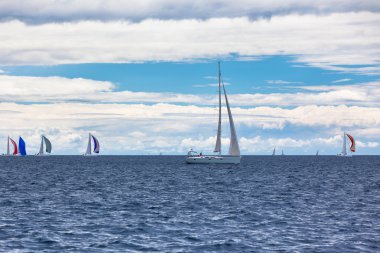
(142, 77)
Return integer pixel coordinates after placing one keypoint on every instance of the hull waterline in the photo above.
(213, 159)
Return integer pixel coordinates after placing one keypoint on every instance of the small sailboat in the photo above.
(15, 149)
(282, 152)
(233, 156)
(21, 147)
(274, 152)
(89, 150)
(352, 146)
(47, 146)
(317, 154)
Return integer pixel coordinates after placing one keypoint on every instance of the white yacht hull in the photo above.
(213, 159)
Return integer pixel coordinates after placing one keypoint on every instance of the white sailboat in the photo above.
(47, 149)
(234, 150)
(344, 149)
(274, 152)
(282, 152)
(89, 150)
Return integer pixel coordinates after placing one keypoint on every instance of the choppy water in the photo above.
(158, 203)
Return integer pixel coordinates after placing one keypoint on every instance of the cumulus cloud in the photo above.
(73, 10)
(351, 39)
(26, 89)
(168, 128)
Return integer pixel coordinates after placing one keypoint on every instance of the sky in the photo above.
(142, 76)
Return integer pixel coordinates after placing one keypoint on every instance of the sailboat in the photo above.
(317, 154)
(21, 147)
(15, 149)
(352, 146)
(282, 152)
(274, 152)
(233, 156)
(96, 145)
(47, 144)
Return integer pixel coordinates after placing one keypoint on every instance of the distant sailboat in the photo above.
(21, 146)
(282, 152)
(234, 150)
(274, 152)
(317, 154)
(352, 146)
(15, 149)
(96, 145)
(47, 144)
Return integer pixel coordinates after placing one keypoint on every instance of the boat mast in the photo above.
(218, 144)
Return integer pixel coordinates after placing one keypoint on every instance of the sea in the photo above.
(161, 204)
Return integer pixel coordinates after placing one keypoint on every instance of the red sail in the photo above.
(15, 151)
(352, 147)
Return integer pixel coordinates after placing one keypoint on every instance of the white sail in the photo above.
(8, 151)
(344, 152)
(274, 151)
(41, 146)
(218, 144)
(234, 145)
(88, 150)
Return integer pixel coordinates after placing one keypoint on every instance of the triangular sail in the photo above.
(234, 145)
(96, 145)
(352, 147)
(8, 151)
(41, 152)
(274, 151)
(88, 150)
(22, 146)
(47, 144)
(344, 152)
(218, 144)
(15, 149)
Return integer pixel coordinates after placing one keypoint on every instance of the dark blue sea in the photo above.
(158, 203)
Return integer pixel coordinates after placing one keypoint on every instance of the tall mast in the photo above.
(218, 144)
(42, 146)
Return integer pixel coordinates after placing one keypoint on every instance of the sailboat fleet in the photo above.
(14, 149)
(193, 157)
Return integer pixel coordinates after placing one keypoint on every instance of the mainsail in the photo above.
(344, 151)
(218, 144)
(352, 147)
(274, 151)
(88, 150)
(21, 146)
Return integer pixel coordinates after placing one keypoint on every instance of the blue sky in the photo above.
(195, 77)
(145, 82)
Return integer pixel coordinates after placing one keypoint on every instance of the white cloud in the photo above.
(59, 89)
(129, 128)
(352, 38)
(55, 11)
(281, 82)
(342, 80)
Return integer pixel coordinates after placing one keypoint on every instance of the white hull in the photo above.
(213, 159)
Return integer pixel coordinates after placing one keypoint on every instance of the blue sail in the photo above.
(21, 146)
(96, 144)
